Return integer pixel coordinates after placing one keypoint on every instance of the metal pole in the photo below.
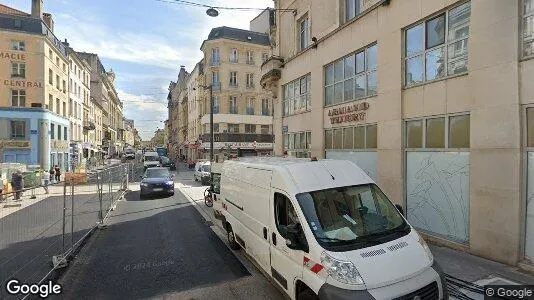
(64, 212)
(99, 186)
(211, 123)
(110, 189)
(72, 210)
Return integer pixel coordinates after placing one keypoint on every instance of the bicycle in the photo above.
(208, 200)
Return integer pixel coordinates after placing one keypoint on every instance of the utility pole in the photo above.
(212, 135)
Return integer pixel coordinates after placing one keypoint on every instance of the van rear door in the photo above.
(286, 264)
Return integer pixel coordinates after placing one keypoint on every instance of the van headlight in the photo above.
(144, 184)
(425, 246)
(169, 182)
(342, 271)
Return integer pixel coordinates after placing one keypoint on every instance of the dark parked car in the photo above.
(157, 181)
(167, 163)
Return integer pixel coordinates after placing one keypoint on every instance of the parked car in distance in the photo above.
(157, 181)
(129, 153)
(167, 163)
(151, 160)
(202, 172)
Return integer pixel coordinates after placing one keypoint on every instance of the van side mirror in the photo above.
(400, 209)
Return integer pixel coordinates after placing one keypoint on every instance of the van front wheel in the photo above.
(307, 294)
(231, 239)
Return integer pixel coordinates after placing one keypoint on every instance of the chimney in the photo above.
(66, 43)
(47, 18)
(37, 8)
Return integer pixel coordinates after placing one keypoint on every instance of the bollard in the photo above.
(72, 211)
(64, 216)
(99, 187)
(33, 194)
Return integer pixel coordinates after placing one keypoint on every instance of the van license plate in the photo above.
(158, 189)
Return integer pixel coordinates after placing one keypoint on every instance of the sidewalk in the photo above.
(9, 205)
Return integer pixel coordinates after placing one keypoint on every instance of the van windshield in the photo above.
(354, 217)
(151, 158)
(206, 168)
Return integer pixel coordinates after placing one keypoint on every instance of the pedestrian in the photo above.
(17, 181)
(57, 172)
(1, 187)
(51, 174)
(45, 180)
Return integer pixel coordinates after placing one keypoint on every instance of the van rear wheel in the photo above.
(231, 239)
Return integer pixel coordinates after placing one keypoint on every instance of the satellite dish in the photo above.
(212, 12)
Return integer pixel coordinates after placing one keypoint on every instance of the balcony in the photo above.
(239, 137)
(215, 63)
(89, 125)
(271, 73)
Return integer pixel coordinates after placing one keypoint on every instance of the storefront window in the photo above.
(348, 138)
(434, 130)
(371, 137)
(355, 137)
(435, 133)
(338, 139)
(530, 127)
(298, 144)
(328, 139)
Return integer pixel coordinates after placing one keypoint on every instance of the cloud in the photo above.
(147, 111)
(122, 45)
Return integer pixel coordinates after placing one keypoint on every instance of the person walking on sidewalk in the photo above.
(57, 172)
(1, 187)
(51, 174)
(46, 180)
(17, 181)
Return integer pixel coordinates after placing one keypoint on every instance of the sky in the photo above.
(143, 41)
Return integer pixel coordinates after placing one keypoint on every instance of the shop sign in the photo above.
(23, 83)
(14, 144)
(60, 145)
(14, 56)
(238, 145)
(349, 113)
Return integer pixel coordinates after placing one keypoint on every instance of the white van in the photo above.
(324, 230)
(151, 160)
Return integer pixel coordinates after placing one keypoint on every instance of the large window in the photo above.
(250, 80)
(265, 107)
(250, 57)
(304, 32)
(355, 137)
(215, 78)
(18, 129)
(297, 96)
(18, 69)
(250, 128)
(50, 77)
(352, 77)
(233, 109)
(234, 56)
(233, 128)
(353, 8)
(437, 47)
(233, 78)
(250, 106)
(528, 28)
(18, 98)
(438, 132)
(215, 57)
(216, 104)
(18, 45)
(298, 144)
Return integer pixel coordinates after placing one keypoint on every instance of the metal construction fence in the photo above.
(40, 232)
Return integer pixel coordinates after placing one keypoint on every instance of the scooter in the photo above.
(208, 200)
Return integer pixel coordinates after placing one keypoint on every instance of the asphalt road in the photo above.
(31, 236)
(160, 248)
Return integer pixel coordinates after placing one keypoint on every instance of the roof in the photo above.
(304, 175)
(237, 34)
(11, 11)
